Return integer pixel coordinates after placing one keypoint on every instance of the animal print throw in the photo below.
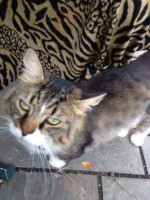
(73, 39)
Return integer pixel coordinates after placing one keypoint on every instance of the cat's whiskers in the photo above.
(4, 121)
(44, 156)
(4, 131)
(4, 128)
(63, 168)
(50, 153)
(5, 118)
(53, 182)
(4, 136)
(62, 151)
(38, 160)
(69, 178)
(73, 183)
(43, 160)
(42, 164)
(33, 155)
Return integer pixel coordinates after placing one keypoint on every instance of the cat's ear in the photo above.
(93, 101)
(88, 103)
(33, 72)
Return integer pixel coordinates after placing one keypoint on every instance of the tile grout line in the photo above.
(100, 186)
(108, 174)
(121, 175)
(143, 161)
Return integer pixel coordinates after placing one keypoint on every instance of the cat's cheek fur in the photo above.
(14, 130)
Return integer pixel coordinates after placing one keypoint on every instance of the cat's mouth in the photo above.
(35, 138)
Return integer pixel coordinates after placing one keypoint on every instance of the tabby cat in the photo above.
(66, 119)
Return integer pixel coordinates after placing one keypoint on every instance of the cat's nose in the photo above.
(24, 133)
(26, 130)
(28, 125)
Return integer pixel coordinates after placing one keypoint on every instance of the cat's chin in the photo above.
(37, 140)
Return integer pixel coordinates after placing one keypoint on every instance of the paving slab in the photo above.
(14, 152)
(146, 151)
(118, 156)
(35, 186)
(138, 188)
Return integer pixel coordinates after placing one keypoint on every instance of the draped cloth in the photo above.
(74, 39)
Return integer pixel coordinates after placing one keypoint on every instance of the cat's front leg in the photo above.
(138, 139)
(56, 162)
(123, 133)
(141, 132)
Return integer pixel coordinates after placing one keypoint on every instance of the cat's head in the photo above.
(47, 111)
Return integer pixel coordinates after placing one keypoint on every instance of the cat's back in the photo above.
(128, 96)
(131, 76)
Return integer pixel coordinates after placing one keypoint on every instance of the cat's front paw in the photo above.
(137, 139)
(123, 133)
(57, 163)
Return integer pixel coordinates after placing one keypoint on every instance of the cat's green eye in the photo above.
(24, 106)
(53, 121)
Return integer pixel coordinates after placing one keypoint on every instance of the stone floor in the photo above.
(120, 171)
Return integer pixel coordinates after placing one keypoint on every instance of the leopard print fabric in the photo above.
(74, 39)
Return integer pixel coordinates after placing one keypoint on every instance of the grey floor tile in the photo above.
(139, 188)
(15, 153)
(116, 156)
(34, 186)
(146, 151)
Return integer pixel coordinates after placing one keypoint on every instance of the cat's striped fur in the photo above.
(58, 117)
(48, 96)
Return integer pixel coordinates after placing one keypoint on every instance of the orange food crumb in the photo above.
(86, 164)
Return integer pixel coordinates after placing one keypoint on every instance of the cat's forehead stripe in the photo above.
(35, 96)
(54, 111)
(39, 95)
(32, 98)
(53, 104)
(43, 108)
